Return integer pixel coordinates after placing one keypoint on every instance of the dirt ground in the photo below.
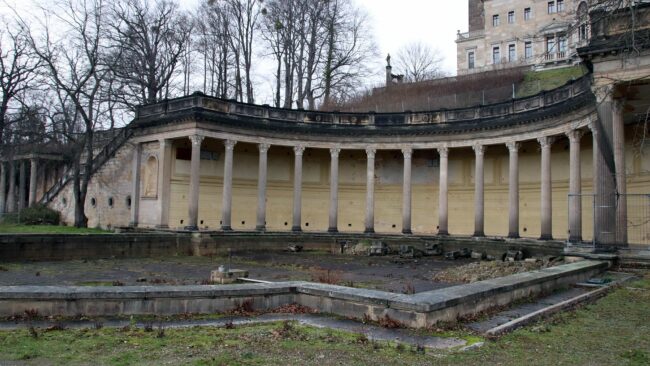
(389, 273)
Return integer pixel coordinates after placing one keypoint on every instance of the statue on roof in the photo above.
(388, 60)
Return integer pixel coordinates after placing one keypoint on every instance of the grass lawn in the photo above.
(46, 229)
(536, 81)
(613, 331)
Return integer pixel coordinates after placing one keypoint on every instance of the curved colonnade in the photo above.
(568, 111)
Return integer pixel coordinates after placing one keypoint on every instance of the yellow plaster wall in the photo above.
(388, 189)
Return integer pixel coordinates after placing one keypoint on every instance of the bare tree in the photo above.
(419, 61)
(18, 71)
(244, 16)
(76, 73)
(348, 49)
(149, 40)
(213, 43)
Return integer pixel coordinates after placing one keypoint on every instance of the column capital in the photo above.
(546, 141)
(164, 142)
(370, 152)
(593, 127)
(575, 135)
(443, 151)
(408, 152)
(513, 146)
(479, 149)
(299, 150)
(196, 139)
(264, 148)
(229, 144)
(334, 151)
(603, 93)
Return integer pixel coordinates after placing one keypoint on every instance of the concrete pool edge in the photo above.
(415, 311)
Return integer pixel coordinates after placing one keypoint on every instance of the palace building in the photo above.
(505, 34)
(565, 164)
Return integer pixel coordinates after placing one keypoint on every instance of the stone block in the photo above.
(223, 277)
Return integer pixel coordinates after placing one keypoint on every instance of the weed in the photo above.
(3, 269)
(399, 347)
(229, 325)
(388, 322)
(118, 283)
(418, 349)
(31, 314)
(55, 327)
(362, 338)
(32, 332)
(409, 288)
(327, 276)
(244, 308)
(148, 327)
(161, 331)
(98, 325)
(366, 319)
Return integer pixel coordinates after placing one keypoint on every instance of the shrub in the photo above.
(39, 214)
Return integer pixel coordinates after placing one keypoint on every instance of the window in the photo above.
(551, 7)
(495, 20)
(560, 5)
(496, 55)
(512, 54)
(511, 17)
(561, 46)
(470, 60)
(550, 44)
(528, 50)
(527, 14)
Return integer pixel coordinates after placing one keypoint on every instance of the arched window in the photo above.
(583, 21)
(150, 178)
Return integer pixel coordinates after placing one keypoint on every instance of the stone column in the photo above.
(370, 191)
(575, 188)
(22, 184)
(261, 187)
(604, 172)
(226, 206)
(334, 190)
(546, 190)
(164, 180)
(443, 218)
(3, 187)
(195, 183)
(406, 191)
(135, 185)
(513, 189)
(297, 189)
(479, 201)
(11, 193)
(33, 178)
(618, 137)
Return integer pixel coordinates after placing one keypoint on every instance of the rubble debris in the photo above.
(432, 249)
(478, 255)
(379, 248)
(513, 255)
(408, 251)
(295, 248)
(455, 254)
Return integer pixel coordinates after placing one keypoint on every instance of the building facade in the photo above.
(506, 33)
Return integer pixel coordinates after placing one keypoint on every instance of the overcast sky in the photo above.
(394, 23)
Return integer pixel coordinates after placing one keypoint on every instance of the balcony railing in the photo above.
(470, 35)
(555, 56)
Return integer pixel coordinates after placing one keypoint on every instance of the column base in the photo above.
(407, 231)
(546, 237)
(260, 228)
(332, 230)
(296, 229)
(513, 235)
(478, 234)
(226, 228)
(191, 228)
(369, 231)
(575, 239)
(443, 233)
(131, 224)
